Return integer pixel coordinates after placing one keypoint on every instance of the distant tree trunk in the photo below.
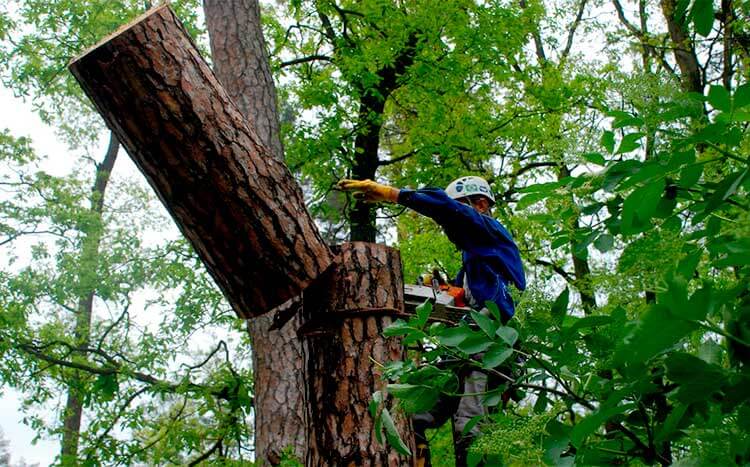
(580, 265)
(87, 283)
(240, 59)
(347, 308)
(684, 50)
(241, 209)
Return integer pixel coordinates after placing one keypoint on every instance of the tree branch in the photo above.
(558, 269)
(409, 154)
(572, 31)
(310, 58)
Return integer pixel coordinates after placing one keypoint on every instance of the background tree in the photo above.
(93, 260)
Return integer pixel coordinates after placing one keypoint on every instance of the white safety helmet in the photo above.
(470, 186)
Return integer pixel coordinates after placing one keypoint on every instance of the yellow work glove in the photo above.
(369, 191)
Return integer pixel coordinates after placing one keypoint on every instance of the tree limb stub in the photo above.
(240, 208)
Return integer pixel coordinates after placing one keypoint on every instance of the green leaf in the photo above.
(471, 424)
(719, 98)
(629, 143)
(725, 189)
(666, 430)
(485, 323)
(557, 442)
(423, 313)
(618, 171)
(507, 334)
(397, 328)
(697, 379)
(496, 355)
(702, 303)
(559, 241)
(560, 306)
(702, 15)
(541, 187)
(415, 398)
(452, 337)
(657, 330)
(595, 158)
(492, 306)
(742, 96)
(392, 435)
(590, 424)
(604, 242)
(690, 175)
(686, 267)
(476, 343)
(608, 141)
(493, 398)
(590, 322)
(639, 207)
(106, 386)
(530, 199)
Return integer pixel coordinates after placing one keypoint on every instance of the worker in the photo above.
(490, 263)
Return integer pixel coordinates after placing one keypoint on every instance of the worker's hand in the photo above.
(369, 191)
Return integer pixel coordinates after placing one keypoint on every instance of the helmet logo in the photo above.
(470, 186)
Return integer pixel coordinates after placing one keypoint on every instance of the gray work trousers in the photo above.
(461, 409)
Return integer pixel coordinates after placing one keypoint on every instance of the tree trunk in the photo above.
(241, 209)
(240, 61)
(238, 52)
(684, 50)
(88, 280)
(580, 266)
(348, 307)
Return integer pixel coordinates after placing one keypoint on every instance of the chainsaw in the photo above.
(447, 301)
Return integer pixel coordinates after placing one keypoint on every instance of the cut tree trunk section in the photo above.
(347, 309)
(240, 208)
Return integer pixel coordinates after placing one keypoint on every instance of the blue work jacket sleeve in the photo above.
(464, 225)
(480, 237)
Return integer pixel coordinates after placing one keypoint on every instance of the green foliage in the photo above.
(39, 38)
(62, 252)
(659, 357)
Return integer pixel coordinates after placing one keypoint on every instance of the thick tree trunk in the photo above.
(684, 50)
(238, 52)
(241, 209)
(347, 308)
(88, 281)
(240, 61)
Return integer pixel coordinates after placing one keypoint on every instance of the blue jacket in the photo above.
(490, 256)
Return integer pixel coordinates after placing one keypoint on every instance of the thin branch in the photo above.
(559, 270)
(310, 58)
(572, 31)
(207, 454)
(409, 154)
(533, 165)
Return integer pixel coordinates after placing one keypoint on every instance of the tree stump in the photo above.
(240, 208)
(347, 309)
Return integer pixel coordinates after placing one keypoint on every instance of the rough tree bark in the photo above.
(88, 282)
(241, 210)
(240, 60)
(684, 50)
(186, 135)
(347, 308)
